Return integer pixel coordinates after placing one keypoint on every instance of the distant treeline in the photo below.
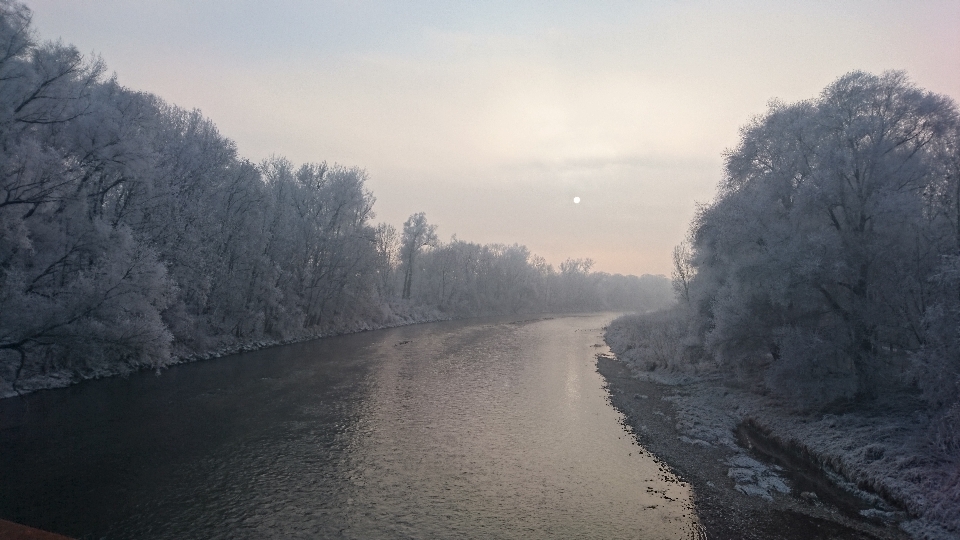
(132, 234)
(828, 266)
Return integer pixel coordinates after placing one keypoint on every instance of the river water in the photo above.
(477, 429)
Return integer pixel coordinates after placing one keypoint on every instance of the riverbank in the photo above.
(725, 442)
(393, 314)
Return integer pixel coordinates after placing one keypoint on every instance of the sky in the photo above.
(492, 116)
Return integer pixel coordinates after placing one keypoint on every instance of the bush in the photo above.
(656, 340)
(811, 371)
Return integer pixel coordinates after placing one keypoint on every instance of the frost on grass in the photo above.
(877, 454)
(755, 478)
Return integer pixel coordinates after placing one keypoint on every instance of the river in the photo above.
(491, 428)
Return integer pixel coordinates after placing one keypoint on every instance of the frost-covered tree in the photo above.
(683, 272)
(386, 245)
(814, 263)
(132, 231)
(79, 291)
(469, 279)
(417, 234)
(132, 234)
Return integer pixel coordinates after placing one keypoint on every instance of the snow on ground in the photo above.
(866, 452)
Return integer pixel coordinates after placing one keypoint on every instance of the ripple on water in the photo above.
(466, 431)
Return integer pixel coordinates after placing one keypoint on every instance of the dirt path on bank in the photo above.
(724, 512)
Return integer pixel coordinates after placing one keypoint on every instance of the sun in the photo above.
(576, 200)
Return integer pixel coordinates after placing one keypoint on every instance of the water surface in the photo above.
(480, 429)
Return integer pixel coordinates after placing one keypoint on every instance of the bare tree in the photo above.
(417, 234)
(683, 271)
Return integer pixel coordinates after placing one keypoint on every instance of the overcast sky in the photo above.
(492, 116)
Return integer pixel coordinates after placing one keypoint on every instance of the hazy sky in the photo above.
(492, 116)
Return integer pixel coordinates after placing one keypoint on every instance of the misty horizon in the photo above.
(490, 119)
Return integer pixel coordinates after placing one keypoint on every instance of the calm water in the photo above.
(450, 430)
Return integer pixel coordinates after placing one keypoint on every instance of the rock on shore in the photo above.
(692, 424)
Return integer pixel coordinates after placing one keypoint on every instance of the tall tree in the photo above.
(417, 234)
(819, 249)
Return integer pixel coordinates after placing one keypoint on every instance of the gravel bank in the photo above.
(738, 494)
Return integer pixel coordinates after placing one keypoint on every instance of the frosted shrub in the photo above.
(811, 371)
(936, 366)
(653, 341)
(945, 435)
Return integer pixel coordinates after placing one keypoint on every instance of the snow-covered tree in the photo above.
(131, 233)
(815, 261)
(417, 234)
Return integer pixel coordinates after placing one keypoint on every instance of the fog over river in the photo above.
(478, 429)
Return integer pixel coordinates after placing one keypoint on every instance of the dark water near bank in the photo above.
(452, 430)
